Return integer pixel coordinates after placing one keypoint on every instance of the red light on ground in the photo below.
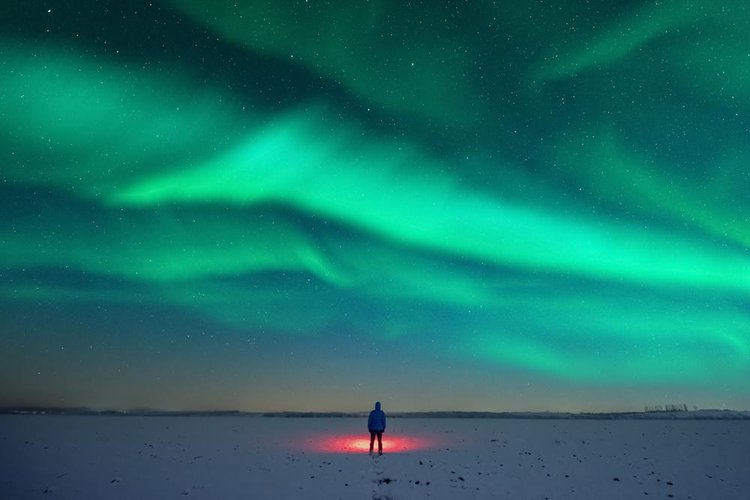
(361, 444)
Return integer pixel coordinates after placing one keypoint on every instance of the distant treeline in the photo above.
(674, 412)
(678, 407)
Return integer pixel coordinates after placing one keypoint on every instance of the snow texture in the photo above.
(253, 457)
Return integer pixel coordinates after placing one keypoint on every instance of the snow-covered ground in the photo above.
(128, 457)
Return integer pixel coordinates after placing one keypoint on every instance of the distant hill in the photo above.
(651, 415)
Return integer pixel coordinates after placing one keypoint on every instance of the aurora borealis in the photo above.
(308, 205)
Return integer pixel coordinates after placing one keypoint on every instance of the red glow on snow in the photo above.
(361, 444)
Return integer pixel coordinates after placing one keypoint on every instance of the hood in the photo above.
(377, 405)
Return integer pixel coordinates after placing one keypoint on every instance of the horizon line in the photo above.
(84, 410)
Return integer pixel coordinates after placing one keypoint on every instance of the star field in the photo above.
(265, 205)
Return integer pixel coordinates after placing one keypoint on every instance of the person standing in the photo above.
(376, 426)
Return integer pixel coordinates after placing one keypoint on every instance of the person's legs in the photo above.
(380, 443)
(372, 441)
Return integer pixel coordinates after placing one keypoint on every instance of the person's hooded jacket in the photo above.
(376, 422)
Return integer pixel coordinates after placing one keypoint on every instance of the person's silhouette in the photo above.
(376, 426)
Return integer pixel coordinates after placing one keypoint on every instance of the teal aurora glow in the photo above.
(269, 205)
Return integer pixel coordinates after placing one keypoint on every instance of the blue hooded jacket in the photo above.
(376, 422)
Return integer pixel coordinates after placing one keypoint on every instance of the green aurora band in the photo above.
(606, 263)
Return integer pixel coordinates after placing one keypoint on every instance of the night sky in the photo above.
(308, 205)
